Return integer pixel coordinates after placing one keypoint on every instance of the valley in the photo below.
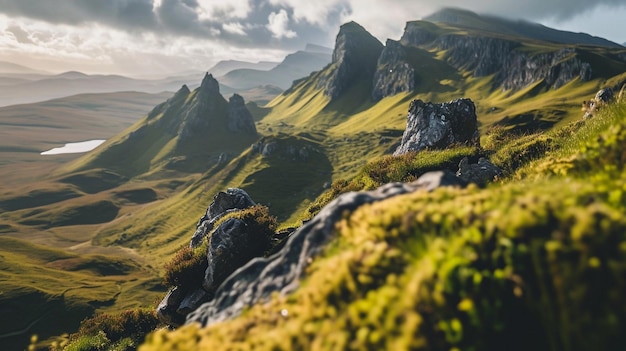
(86, 233)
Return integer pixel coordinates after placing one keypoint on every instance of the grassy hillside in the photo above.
(104, 223)
(534, 261)
(47, 290)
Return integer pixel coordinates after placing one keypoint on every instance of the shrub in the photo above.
(187, 267)
(123, 331)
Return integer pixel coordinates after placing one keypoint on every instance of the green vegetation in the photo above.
(535, 261)
(111, 332)
(92, 235)
(387, 169)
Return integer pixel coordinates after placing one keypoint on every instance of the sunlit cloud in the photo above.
(278, 24)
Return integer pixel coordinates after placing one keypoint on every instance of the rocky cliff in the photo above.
(394, 73)
(355, 57)
(239, 118)
(514, 69)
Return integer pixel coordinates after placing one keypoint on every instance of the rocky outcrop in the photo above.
(232, 199)
(239, 118)
(232, 244)
(479, 173)
(513, 69)
(287, 149)
(419, 33)
(281, 273)
(603, 96)
(205, 108)
(394, 73)
(355, 57)
(439, 126)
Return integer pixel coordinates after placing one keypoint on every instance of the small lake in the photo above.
(74, 148)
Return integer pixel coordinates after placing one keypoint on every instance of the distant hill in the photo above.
(13, 68)
(223, 67)
(496, 25)
(296, 65)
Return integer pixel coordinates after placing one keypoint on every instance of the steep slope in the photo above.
(354, 59)
(223, 67)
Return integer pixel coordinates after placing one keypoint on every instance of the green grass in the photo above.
(48, 291)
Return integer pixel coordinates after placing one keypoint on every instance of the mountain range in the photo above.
(259, 81)
(134, 201)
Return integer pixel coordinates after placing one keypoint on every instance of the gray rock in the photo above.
(269, 149)
(479, 173)
(432, 180)
(239, 118)
(394, 73)
(513, 69)
(231, 245)
(354, 57)
(605, 95)
(201, 111)
(192, 301)
(281, 273)
(224, 202)
(439, 126)
(167, 309)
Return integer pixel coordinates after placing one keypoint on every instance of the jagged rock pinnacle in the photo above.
(209, 84)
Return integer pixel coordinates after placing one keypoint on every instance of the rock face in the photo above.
(439, 125)
(355, 57)
(232, 244)
(258, 279)
(513, 69)
(239, 118)
(394, 73)
(232, 199)
(204, 109)
(479, 173)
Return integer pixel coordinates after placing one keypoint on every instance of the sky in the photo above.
(165, 37)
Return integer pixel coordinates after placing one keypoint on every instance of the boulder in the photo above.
(432, 180)
(232, 244)
(167, 308)
(605, 95)
(438, 126)
(479, 173)
(232, 199)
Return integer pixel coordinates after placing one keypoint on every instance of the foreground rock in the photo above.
(281, 273)
(233, 199)
(439, 126)
(234, 242)
(479, 173)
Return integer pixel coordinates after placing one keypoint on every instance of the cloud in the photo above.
(209, 30)
(279, 25)
(234, 28)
